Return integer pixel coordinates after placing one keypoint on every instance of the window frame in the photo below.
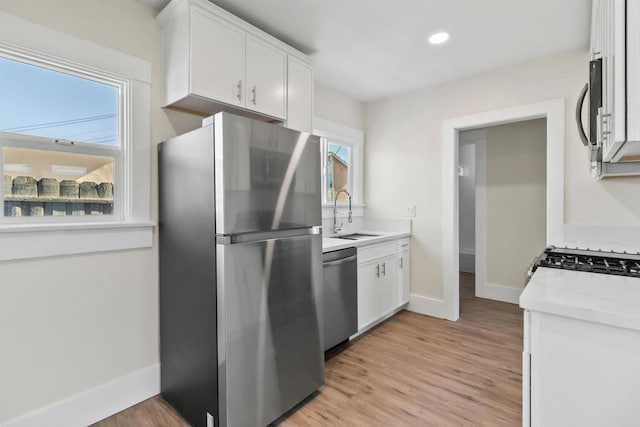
(90, 234)
(26, 141)
(352, 138)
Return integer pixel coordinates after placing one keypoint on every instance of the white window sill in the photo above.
(26, 241)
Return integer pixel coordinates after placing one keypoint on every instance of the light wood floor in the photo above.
(412, 370)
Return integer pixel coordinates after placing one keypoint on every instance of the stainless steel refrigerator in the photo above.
(240, 271)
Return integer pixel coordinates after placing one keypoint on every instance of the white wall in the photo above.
(337, 107)
(71, 323)
(515, 205)
(467, 204)
(404, 139)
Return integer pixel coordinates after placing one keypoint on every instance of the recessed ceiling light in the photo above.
(438, 38)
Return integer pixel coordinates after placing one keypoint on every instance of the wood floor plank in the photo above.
(413, 370)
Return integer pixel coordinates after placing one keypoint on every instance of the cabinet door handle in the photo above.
(384, 269)
(581, 133)
(378, 270)
(402, 263)
(239, 86)
(253, 91)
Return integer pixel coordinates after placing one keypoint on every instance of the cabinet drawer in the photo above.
(369, 253)
(404, 245)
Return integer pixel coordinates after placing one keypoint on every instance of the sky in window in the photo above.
(42, 102)
(340, 151)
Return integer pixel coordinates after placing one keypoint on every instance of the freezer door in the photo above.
(266, 177)
(269, 338)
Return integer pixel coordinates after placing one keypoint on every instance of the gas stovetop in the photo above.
(616, 263)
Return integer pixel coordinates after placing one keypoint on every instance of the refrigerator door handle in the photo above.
(261, 236)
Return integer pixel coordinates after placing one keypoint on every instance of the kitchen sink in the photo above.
(356, 236)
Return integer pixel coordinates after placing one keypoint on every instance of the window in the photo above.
(96, 101)
(341, 153)
(337, 177)
(60, 141)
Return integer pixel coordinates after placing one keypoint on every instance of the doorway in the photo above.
(554, 113)
(502, 207)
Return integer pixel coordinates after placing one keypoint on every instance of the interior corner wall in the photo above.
(515, 205)
(337, 107)
(404, 139)
(71, 323)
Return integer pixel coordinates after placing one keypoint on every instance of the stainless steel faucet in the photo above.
(336, 227)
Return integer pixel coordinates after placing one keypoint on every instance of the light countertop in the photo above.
(331, 243)
(601, 298)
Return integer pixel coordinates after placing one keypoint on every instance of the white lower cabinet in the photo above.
(368, 295)
(388, 286)
(382, 283)
(579, 373)
(404, 271)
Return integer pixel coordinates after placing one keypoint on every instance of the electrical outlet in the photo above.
(411, 211)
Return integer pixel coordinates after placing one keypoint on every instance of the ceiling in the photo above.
(371, 49)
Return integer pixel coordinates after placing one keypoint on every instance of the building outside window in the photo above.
(338, 161)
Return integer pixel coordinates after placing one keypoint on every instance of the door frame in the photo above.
(554, 112)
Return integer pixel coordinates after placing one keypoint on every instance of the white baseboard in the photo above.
(498, 292)
(95, 404)
(430, 306)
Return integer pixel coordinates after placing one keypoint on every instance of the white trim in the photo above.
(553, 111)
(329, 129)
(498, 292)
(428, 306)
(45, 240)
(95, 404)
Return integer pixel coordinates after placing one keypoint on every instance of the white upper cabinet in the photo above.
(215, 62)
(615, 42)
(266, 78)
(299, 95)
(214, 43)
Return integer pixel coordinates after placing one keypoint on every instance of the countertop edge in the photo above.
(383, 238)
(604, 317)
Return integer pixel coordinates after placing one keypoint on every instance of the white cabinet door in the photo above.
(217, 59)
(368, 295)
(404, 282)
(266, 78)
(388, 286)
(581, 373)
(299, 95)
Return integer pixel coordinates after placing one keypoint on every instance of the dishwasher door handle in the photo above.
(340, 261)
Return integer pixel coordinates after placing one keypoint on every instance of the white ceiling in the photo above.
(370, 49)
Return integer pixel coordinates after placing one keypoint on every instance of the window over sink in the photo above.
(342, 167)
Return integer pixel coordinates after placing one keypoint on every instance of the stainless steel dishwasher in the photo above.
(340, 296)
